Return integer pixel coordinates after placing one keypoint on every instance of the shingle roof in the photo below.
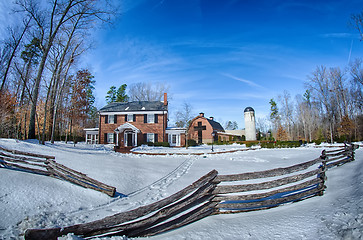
(134, 106)
(215, 125)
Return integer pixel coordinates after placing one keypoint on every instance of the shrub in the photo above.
(317, 142)
(268, 145)
(281, 144)
(251, 143)
(158, 144)
(192, 143)
(220, 143)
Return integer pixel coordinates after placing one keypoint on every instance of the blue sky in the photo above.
(222, 56)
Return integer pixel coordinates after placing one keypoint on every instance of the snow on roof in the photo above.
(134, 106)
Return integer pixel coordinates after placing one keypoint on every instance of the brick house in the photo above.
(206, 130)
(134, 123)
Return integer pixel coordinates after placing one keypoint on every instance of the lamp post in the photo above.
(213, 134)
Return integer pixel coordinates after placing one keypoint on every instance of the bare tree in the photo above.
(356, 71)
(307, 115)
(50, 21)
(339, 91)
(356, 93)
(11, 47)
(320, 89)
(184, 115)
(142, 91)
(286, 111)
(262, 125)
(59, 92)
(357, 22)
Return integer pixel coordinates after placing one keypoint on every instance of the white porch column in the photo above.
(117, 139)
(135, 138)
(125, 139)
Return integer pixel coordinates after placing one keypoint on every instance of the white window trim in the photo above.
(110, 138)
(111, 119)
(150, 118)
(150, 137)
(130, 117)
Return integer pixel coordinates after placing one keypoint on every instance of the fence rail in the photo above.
(210, 195)
(46, 165)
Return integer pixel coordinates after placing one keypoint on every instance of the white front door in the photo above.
(174, 140)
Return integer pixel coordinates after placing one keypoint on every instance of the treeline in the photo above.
(44, 93)
(330, 110)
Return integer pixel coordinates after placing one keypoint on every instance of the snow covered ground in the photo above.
(34, 201)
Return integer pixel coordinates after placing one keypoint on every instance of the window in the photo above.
(150, 137)
(150, 118)
(110, 138)
(130, 117)
(173, 139)
(111, 118)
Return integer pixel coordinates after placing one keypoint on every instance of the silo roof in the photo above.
(249, 109)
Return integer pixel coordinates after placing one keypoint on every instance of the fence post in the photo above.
(353, 148)
(322, 175)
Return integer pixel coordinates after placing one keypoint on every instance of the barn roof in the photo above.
(134, 106)
(215, 125)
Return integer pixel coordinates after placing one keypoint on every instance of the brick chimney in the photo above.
(201, 114)
(165, 99)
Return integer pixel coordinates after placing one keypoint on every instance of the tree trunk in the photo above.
(52, 35)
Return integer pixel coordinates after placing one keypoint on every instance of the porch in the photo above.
(126, 137)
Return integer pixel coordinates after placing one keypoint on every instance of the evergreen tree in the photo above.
(121, 95)
(111, 95)
(231, 125)
(274, 115)
(307, 97)
(32, 52)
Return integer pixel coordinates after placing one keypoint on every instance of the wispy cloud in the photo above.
(252, 84)
(340, 35)
(127, 5)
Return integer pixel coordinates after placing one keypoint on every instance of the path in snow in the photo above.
(148, 194)
(165, 181)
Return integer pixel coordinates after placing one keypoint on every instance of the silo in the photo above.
(250, 124)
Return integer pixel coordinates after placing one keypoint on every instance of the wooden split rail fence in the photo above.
(46, 165)
(213, 194)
